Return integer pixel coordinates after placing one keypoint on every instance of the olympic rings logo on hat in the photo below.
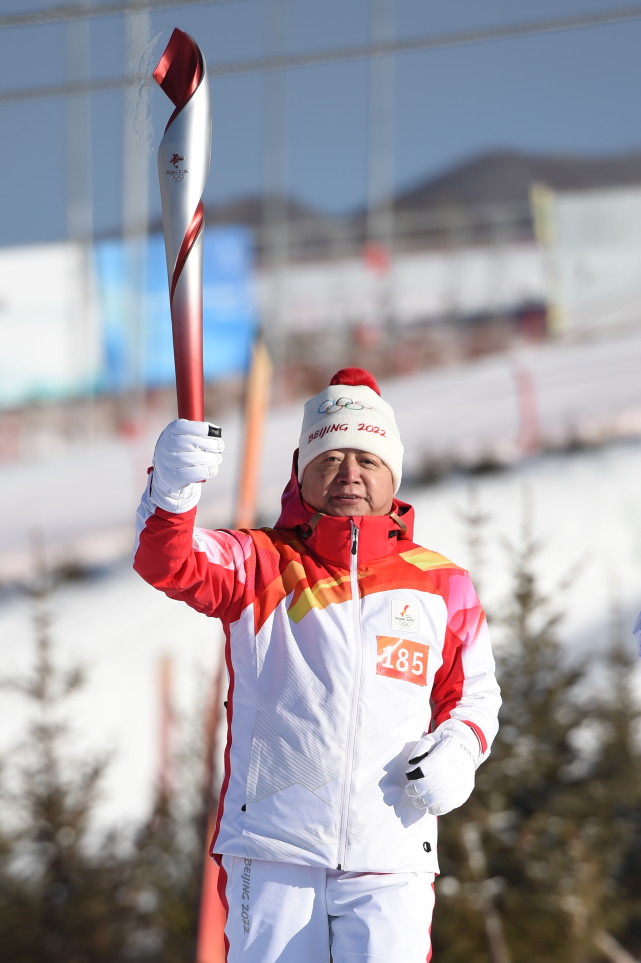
(330, 407)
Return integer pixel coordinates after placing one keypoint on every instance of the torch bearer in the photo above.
(183, 164)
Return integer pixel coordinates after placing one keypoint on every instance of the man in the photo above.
(362, 694)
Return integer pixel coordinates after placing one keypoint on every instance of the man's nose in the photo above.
(349, 470)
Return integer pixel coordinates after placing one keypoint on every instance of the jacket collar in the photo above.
(330, 536)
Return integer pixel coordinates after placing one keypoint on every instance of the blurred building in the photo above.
(504, 249)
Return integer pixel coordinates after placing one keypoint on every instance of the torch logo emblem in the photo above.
(176, 172)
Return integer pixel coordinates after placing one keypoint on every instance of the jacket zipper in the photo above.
(356, 691)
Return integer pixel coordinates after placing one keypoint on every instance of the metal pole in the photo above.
(82, 346)
(274, 232)
(135, 203)
(380, 166)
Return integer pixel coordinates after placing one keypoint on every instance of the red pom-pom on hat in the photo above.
(356, 376)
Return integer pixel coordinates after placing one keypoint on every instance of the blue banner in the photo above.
(136, 320)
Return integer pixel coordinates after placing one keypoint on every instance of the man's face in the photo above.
(346, 481)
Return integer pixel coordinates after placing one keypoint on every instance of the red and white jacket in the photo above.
(345, 643)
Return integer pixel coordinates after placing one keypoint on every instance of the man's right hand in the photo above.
(186, 454)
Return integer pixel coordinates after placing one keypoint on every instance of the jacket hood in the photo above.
(328, 535)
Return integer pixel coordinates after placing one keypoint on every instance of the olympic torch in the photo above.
(183, 164)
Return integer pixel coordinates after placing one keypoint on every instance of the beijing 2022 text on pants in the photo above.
(285, 913)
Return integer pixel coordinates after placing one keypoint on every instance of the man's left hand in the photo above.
(442, 768)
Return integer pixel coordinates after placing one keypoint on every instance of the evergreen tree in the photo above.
(58, 895)
(67, 896)
(170, 850)
(538, 865)
(612, 843)
(166, 876)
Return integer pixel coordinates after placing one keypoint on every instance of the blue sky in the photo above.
(573, 91)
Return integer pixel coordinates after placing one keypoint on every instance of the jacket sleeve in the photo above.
(205, 569)
(465, 686)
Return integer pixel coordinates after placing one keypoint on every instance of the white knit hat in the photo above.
(350, 413)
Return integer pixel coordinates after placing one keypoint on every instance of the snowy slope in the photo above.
(81, 501)
(586, 507)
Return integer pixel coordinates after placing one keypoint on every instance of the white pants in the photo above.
(285, 913)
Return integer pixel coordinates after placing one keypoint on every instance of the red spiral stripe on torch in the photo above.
(190, 238)
(179, 72)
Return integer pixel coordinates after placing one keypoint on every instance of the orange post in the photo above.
(211, 924)
(529, 430)
(255, 410)
(165, 726)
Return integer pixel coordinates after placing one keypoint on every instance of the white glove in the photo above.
(186, 454)
(442, 768)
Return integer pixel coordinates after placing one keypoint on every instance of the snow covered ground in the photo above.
(585, 507)
(80, 500)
